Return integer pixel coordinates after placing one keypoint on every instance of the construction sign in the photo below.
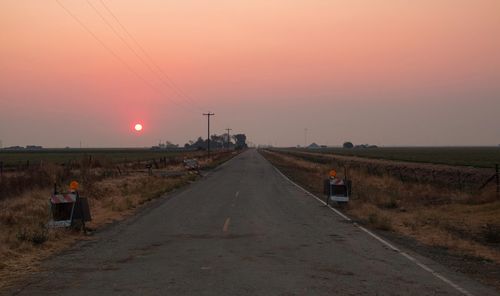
(68, 208)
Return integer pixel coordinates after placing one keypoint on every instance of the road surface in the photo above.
(241, 230)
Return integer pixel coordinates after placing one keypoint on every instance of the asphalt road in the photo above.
(241, 230)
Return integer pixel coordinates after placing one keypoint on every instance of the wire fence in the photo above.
(467, 179)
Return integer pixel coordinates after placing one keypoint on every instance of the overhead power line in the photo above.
(127, 44)
(116, 56)
(170, 81)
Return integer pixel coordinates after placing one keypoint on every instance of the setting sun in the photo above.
(138, 127)
(343, 147)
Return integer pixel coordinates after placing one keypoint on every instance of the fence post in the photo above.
(459, 175)
(498, 180)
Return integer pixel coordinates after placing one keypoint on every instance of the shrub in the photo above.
(36, 236)
(380, 221)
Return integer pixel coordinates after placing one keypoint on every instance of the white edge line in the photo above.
(386, 243)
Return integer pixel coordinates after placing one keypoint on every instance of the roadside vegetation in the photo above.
(455, 217)
(16, 160)
(114, 191)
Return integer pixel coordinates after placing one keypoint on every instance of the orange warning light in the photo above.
(73, 185)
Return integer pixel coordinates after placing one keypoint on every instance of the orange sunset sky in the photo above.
(387, 72)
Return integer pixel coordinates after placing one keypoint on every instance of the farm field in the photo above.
(60, 156)
(482, 157)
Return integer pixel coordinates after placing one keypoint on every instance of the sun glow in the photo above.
(138, 127)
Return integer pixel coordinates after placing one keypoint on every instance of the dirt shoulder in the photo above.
(456, 228)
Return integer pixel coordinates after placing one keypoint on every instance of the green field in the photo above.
(61, 156)
(485, 157)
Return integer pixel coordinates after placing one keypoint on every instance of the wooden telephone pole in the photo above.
(208, 134)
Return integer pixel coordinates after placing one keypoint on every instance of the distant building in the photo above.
(169, 145)
(14, 148)
(313, 146)
(363, 146)
(33, 147)
(28, 147)
(164, 146)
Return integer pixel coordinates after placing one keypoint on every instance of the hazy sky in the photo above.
(386, 72)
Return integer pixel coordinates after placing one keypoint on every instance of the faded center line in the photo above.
(235, 197)
(226, 225)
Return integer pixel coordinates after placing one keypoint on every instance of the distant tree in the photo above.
(348, 145)
(240, 140)
(217, 141)
(200, 144)
(227, 141)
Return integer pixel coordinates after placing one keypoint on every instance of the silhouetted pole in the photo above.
(497, 179)
(228, 139)
(208, 134)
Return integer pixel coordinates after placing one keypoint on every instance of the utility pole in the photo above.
(208, 134)
(228, 139)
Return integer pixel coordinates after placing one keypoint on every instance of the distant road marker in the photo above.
(386, 243)
(225, 228)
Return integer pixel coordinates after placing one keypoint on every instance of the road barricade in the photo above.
(336, 189)
(69, 210)
(191, 164)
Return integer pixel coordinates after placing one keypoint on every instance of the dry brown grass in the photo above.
(444, 176)
(25, 240)
(463, 223)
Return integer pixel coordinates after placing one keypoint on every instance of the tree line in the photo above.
(237, 141)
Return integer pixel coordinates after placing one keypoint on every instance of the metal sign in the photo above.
(191, 164)
(66, 208)
(336, 189)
